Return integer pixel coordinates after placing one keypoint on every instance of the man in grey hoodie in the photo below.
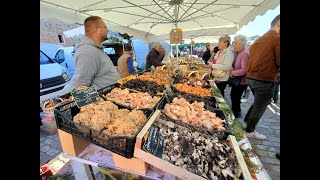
(93, 67)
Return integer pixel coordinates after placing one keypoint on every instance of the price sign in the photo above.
(85, 96)
(176, 36)
(154, 143)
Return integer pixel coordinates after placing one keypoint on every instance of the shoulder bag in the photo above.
(234, 81)
(218, 73)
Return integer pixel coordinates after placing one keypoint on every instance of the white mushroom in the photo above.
(170, 124)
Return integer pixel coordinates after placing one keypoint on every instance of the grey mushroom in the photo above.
(212, 176)
(179, 162)
(174, 138)
(173, 158)
(216, 169)
(170, 124)
(222, 163)
(205, 176)
(227, 172)
(207, 141)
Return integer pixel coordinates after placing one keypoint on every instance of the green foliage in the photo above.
(252, 167)
(237, 129)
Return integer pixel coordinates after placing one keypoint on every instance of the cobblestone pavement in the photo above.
(50, 153)
(269, 125)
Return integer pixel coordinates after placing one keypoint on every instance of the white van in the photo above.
(64, 57)
(55, 80)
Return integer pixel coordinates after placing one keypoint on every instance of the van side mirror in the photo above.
(56, 60)
(59, 61)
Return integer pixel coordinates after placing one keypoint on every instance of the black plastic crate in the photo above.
(145, 86)
(122, 145)
(219, 113)
(102, 92)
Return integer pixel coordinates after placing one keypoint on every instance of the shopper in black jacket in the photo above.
(155, 56)
(206, 56)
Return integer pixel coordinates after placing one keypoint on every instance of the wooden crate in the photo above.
(171, 168)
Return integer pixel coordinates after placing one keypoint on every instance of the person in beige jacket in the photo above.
(225, 57)
(125, 62)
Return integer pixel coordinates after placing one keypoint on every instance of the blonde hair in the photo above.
(225, 38)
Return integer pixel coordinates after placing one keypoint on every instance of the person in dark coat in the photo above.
(155, 56)
(206, 56)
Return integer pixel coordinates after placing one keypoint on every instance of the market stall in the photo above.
(171, 122)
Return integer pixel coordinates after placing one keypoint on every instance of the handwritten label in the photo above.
(154, 143)
(85, 96)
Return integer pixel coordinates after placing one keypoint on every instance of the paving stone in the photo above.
(44, 135)
(276, 168)
(272, 154)
(274, 176)
(45, 148)
(54, 144)
(275, 139)
(57, 138)
(44, 159)
(276, 144)
(42, 138)
(52, 136)
(272, 149)
(52, 152)
(267, 143)
(270, 160)
(262, 152)
(263, 147)
(263, 126)
(48, 141)
(42, 144)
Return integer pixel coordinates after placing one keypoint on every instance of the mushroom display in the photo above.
(206, 156)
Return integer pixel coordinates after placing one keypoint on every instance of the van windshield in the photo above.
(45, 59)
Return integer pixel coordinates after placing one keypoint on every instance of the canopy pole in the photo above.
(176, 19)
(191, 48)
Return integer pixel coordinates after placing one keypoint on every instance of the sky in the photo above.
(260, 25)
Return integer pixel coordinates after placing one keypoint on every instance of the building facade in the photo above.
(51, 31)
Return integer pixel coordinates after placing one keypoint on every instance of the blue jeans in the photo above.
(262, 92)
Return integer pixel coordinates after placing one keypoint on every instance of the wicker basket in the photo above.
(50, 110)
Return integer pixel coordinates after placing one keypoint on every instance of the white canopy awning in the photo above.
(152, 20)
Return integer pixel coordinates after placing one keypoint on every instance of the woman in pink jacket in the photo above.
(239, 69)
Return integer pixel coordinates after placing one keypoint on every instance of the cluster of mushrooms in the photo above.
(206, 156)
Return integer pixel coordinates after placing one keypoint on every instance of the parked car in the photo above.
(55, 80)
(64, 57)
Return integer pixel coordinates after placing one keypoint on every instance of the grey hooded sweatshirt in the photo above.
(93, 67)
